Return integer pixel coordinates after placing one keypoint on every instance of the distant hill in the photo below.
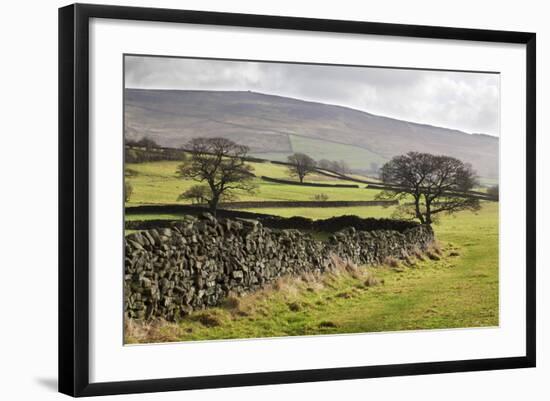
(274, 127)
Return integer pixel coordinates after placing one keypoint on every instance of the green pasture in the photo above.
(356, 157)
(325, 213)
(157, 183)
(277, 156)
(459, 290)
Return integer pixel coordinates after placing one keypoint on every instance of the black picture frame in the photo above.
(74, 199)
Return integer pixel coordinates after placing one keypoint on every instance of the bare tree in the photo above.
(374, 168)
(144, 142)
(325, 164)
(493, 191)
(301, 165)
(342, 167)
(436, 184)
(218, 162)
(331, 165)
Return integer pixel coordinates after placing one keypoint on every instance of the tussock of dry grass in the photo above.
(288, 285)
(288, 289)
(434, 251)
(435, 247)
(391, 262)
(156, 331)
(309, 277)
(417, 253)
(371, 281)
(409, 261)
(232, 301)
(208, 318)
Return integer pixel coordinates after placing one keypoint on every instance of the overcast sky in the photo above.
(459, 100)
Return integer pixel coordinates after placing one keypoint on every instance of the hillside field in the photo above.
(275, 126)
(358, 158)
(458, 290)
(157, 183)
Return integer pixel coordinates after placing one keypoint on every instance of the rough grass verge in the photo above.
(344, 281)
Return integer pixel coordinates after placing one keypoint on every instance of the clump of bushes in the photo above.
(294, 306)
(147, 150)
(320, 197)
(196, 194)
(327, 324)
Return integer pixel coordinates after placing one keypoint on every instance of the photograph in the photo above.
(269, 199)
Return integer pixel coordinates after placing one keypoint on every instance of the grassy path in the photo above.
(459, 290)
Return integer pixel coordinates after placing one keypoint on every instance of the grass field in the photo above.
(157, 183)
(356, 157)
(459, 290)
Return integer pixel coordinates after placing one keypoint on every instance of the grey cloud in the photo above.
(464, 101)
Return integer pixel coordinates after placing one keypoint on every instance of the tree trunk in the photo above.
(213, 206)
(419, 215)
(428, 212)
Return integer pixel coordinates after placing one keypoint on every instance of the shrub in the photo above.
(320, 197)
(148, 151)
(327, 324)
(294, 307)
(196, 194)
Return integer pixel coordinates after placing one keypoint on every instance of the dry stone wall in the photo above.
(194, 264)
